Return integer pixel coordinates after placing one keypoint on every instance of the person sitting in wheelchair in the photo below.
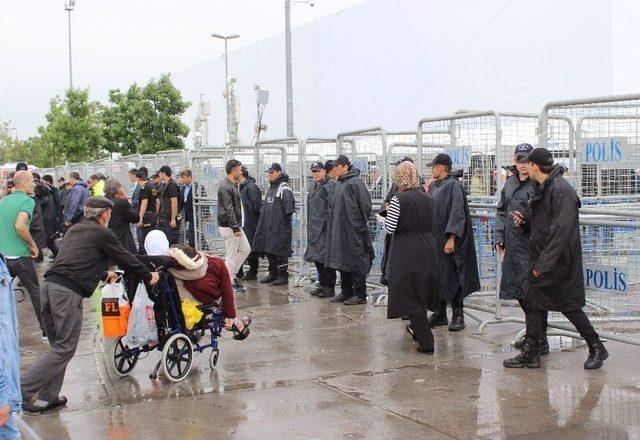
(200, 277)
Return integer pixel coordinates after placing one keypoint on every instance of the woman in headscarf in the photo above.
(199, 277)
(412, 265)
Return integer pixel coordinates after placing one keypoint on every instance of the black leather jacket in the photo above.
(229, 206)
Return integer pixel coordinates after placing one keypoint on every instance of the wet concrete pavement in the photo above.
(315, 370)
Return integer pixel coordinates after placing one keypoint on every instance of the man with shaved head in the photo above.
(17, 245)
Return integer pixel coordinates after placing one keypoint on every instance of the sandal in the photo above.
(242, 335)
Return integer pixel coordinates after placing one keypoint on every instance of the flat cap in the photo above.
(98, 202)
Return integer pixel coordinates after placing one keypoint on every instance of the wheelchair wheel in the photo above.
(124, 358)
(177, 357)
(213, 358)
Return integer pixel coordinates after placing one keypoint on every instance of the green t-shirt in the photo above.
(11, 245)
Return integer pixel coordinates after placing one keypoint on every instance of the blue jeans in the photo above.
(10, 430)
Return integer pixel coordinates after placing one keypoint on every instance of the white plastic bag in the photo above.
(114, 290)
(141, 329)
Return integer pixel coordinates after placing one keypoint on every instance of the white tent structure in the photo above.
(389, 63)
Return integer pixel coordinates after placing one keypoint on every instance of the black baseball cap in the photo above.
(142, 173)
(317, 165)
(156, 175)
(539, 156)
(523, 150)
(329, 165)
(60, 179)
(21, 166)
(274, 167)
(165, 169)
(440, 159)
(342, 160)
(403, 159)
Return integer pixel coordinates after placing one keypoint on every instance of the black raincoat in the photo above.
(319, 203)
(516, 263)
(458, 271)
(556, 249)
(273, 233)
(413, 274)
(251, 206)
(36, 229)
(348, 242)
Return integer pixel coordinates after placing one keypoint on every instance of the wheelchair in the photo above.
(176, 343)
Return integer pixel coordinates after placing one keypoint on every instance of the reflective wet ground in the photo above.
(314, 370)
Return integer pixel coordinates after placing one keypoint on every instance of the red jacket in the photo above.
(215, 284)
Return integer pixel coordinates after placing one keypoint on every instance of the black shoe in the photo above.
(327, 292)
(457, 321)
(543, 345)
(31, 408)
(597, 355)
(281, 280)
(355, 300)
(250, 276)
(424, 350)
(317, 291)
(529, 357)
(438, 318)
(340, 297)
(268, 279)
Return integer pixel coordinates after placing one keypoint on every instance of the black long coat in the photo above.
(122, 215)
(516, 263)
(348, 242)
(460, 269)
(413, 271)
(319, 202)
(274, 232)
(251, 206)
(36, 228)
(50, 210)
(556, 248)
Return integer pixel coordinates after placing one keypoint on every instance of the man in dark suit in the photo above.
(186, 202)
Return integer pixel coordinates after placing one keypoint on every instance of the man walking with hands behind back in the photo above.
(556, 281)
(230, 222)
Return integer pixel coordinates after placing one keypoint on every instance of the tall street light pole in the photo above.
(287, 42)
(226, 73)
(68, 6)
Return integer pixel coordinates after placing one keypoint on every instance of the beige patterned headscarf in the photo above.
(405, 176)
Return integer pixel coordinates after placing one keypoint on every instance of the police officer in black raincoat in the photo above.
(319, 202)
(274, 232)
(251, 207)
(456, 249)
(349, 248)
(555, 282)
(512, 234)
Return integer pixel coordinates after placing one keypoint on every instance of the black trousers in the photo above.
(353, 284)
(25, 269)
(326, 275)
(535, 318)
(277, 265)
(191, 235)
(173, 235)
(421, 329)
(545, 318)
(142, 235)
(456, 303)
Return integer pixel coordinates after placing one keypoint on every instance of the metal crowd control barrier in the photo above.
(598, 143)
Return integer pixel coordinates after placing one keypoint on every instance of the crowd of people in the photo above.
(429, 258)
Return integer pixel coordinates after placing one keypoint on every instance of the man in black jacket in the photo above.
(230, 222)
(349, 248)
(123, 215)
(168, 207)
(82, 261)
(556, 281)
(453, 232)
(274, 232)
(147, 200)
(51, 212)
(251, 205)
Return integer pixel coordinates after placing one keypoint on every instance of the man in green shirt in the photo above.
(17, 245)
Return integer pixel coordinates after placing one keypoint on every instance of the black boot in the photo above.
(439, 317)
(327, 292)
(283, 278)
(269, 278)
(597, 354)
(529, 357)
(457, 320)
(339, 298)
(316, 291)
(250, 276)
(543, 345)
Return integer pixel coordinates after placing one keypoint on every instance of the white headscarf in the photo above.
(156, 243)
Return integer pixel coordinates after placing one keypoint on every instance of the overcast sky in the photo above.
(117, 42)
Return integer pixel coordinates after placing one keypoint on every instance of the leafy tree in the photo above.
(145, 119)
